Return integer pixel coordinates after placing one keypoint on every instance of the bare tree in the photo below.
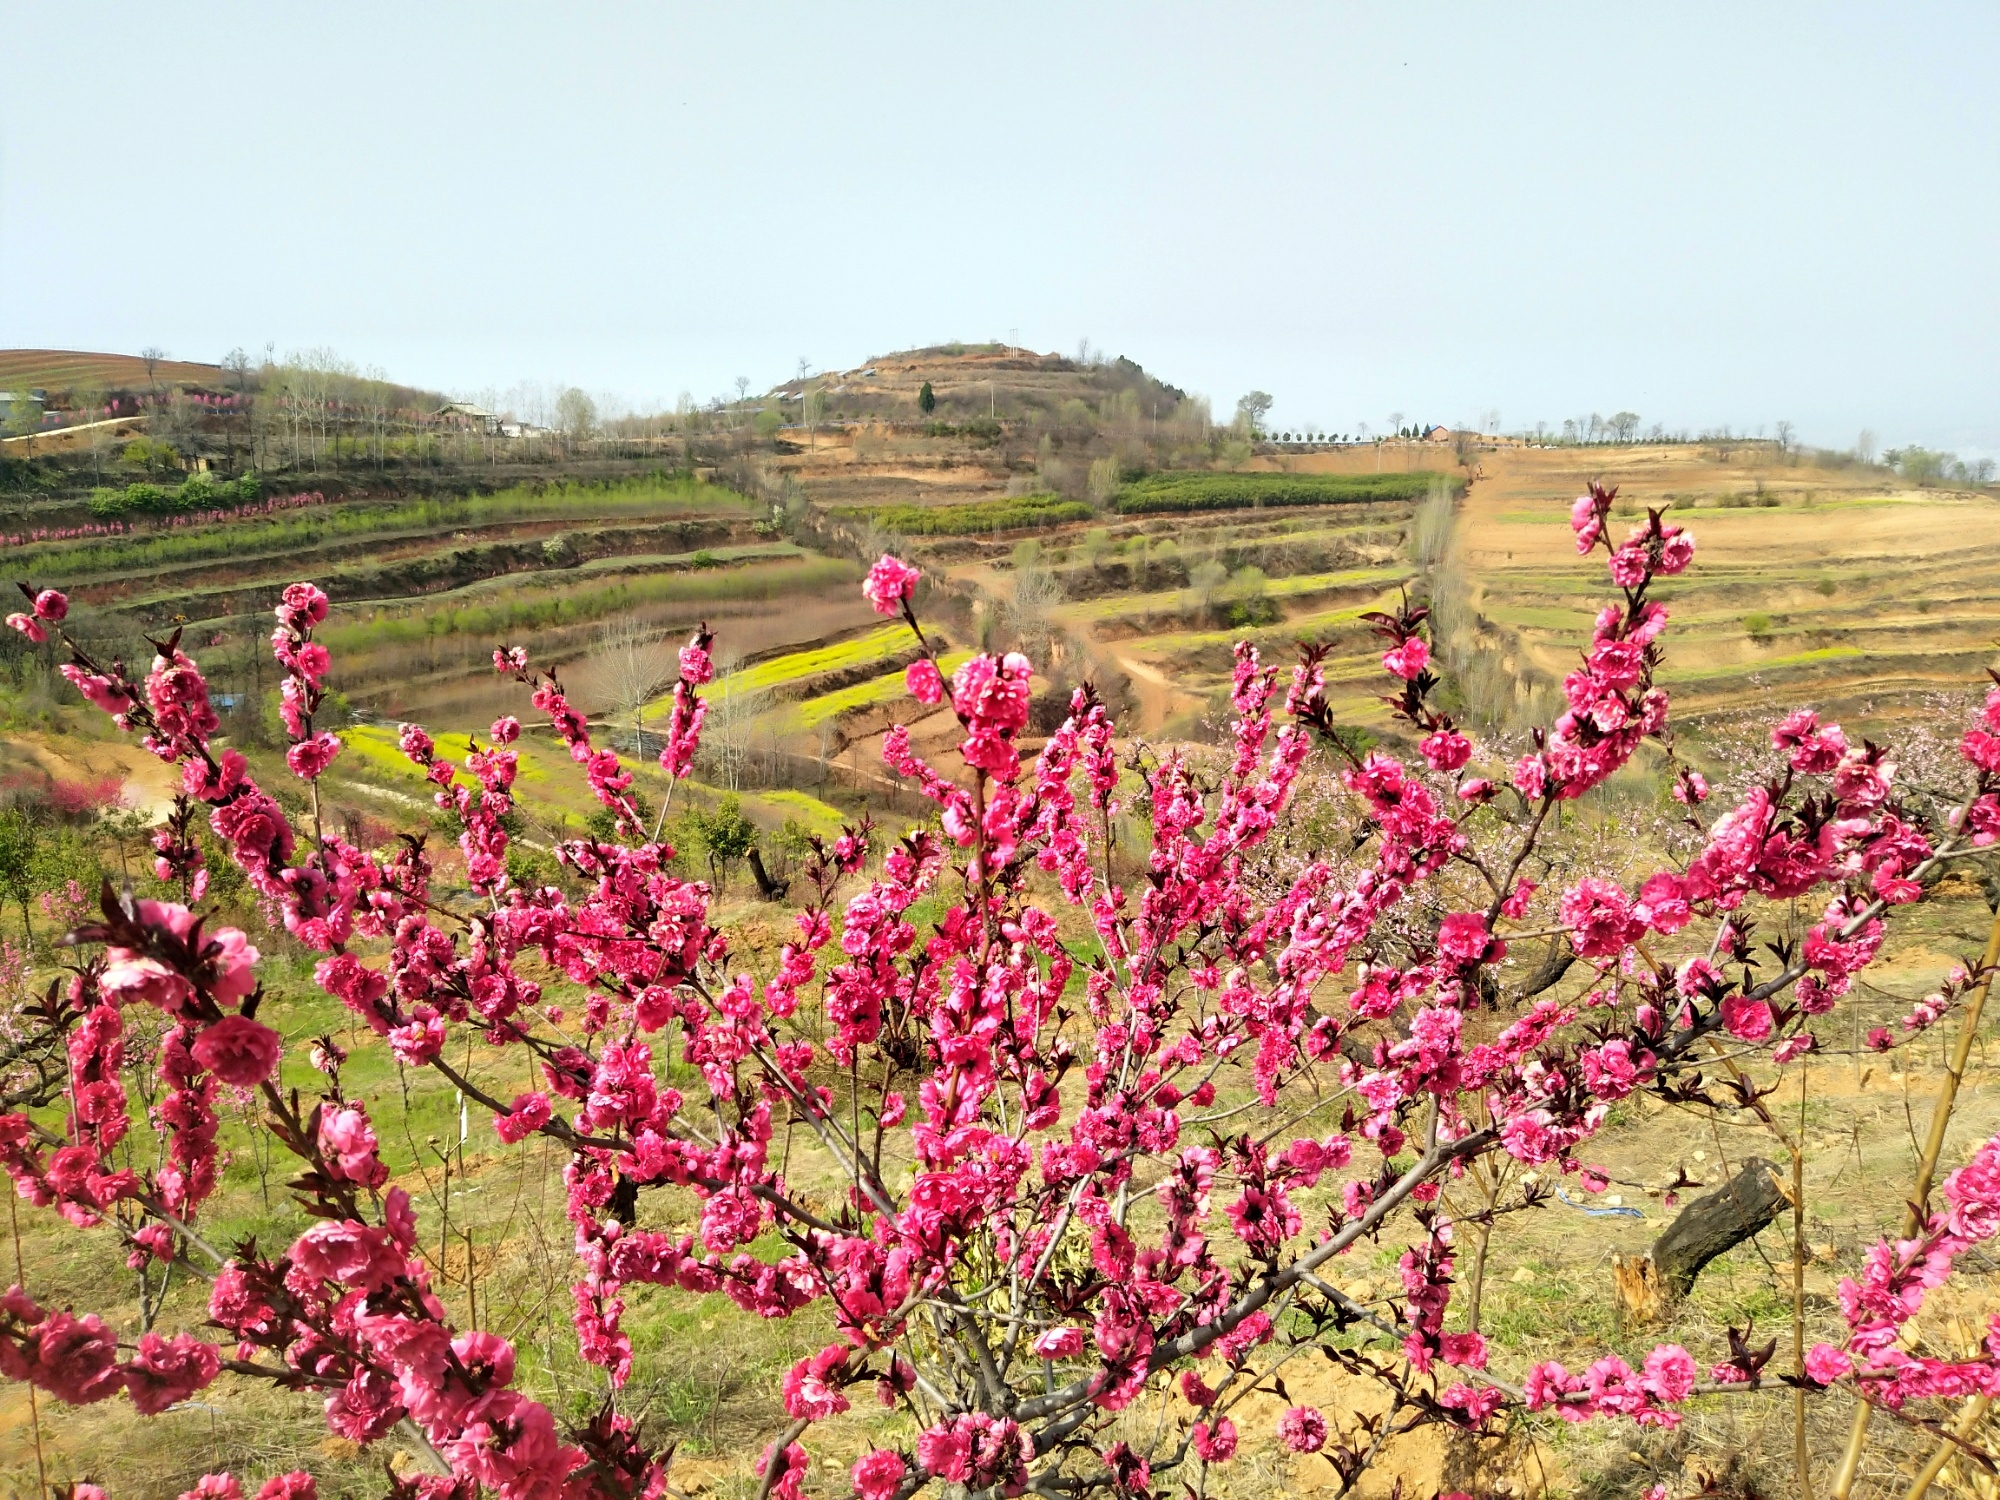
(237, 364)
(632, 665)
(576, 415)
(376, 399)
(152, 354)
(734, 707)
(1785, 432)
(1038, 593)
(1864, 446)
(177, 421)
(814, 413)
(87, 404)
(21, 417)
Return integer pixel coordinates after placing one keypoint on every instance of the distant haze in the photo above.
(1733, 214)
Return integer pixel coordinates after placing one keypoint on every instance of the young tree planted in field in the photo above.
(20, 863)
(813, 412)
(576, 415)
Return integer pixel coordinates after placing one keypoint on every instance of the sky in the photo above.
(1725, 214)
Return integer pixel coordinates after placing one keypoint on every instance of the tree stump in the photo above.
(1647, 1286)
(1641, 1300)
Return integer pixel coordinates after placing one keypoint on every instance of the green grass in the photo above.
(884, 689)
(976, 517)
(1670, 673)
(814, 661)
(539, 609)
(1305, 627)
(373, 748)
(820, 817)
(298, 531)
(1538, 618)
(1167, 493)
(1116, 606)
(706, 557)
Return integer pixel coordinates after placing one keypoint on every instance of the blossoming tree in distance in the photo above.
(1054, 1205)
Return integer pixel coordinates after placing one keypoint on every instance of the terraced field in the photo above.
(1839, 585)
(1842, 587)
(1145, 604)
(423, 589)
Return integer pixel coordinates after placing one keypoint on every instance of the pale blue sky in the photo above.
(1706, 214)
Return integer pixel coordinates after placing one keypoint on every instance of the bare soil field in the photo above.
(64, 369)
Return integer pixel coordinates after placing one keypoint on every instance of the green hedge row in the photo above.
(979, 516)
(196, 492)
(1200, 491)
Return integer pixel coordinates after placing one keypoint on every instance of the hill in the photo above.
(67, 369)
(996, 381)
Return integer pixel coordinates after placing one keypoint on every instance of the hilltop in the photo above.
(997, 381)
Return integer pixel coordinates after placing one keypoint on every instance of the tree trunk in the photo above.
(1647, 1286)
(773, 890)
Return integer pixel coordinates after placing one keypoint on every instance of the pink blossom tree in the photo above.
(1084, 1219)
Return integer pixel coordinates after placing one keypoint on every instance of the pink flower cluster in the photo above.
(46, 607)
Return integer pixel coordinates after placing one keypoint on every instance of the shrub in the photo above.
(1757, 626)
(1167, 493)
(196, 492)
(148, 453)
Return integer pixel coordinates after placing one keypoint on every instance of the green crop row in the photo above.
(817, 661)
(534, 611)
(884, 689)
(1158, 493)
(979, 516)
